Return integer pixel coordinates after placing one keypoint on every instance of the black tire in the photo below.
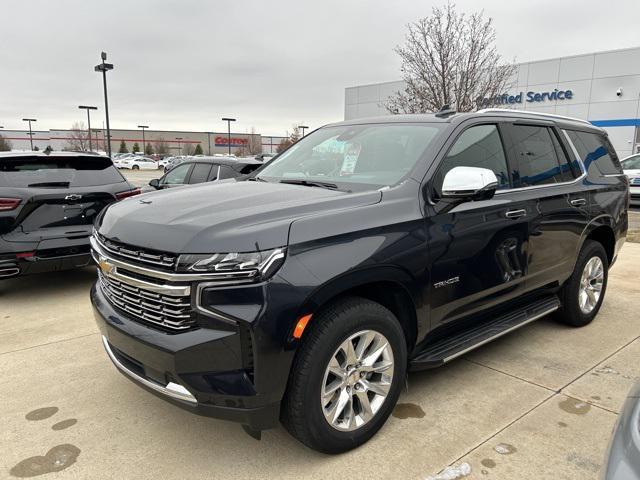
(302, 413)
(135, 167)
(570, 312)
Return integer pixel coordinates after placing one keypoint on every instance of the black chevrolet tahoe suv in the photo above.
(305, 292)
(48, 203)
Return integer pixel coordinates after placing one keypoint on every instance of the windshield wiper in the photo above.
(256, 179)
(309, 183)
(50, 184)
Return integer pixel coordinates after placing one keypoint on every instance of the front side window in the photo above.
(178, 175)
(535, 156)
(355, 155)
(478, 146)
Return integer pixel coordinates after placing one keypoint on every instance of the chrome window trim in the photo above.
(171, 389)
(560, 184)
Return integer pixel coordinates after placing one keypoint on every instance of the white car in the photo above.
(137, 163)
(631, 167)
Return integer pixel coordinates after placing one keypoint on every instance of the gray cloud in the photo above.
(184, 64)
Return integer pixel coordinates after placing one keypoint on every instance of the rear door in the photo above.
(544, 169)
(55, 195)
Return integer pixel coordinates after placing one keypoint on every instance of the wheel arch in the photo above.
(601, 230)
(388, 286)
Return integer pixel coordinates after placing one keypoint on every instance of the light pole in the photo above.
(303, 128)
(144, 147)
(96, 131)
(30, 132)
(229, 120)
(104, 68)
(88, 109)
(208, 140)
(179, 145)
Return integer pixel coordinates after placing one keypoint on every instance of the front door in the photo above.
(477, 248)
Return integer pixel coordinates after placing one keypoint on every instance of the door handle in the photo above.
(579, 202)
(515, 213)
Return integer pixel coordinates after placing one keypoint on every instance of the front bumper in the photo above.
(200, 370)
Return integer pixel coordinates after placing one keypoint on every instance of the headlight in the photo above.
(254, 266)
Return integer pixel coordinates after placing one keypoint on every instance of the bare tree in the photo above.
(292, 138)
(78, 140)
(162, 148)
(5, 145)
(188, 149)
(449, 58)
(254, 143)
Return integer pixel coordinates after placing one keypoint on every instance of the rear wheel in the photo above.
(583, 294)
(135, 167)
(347, 376)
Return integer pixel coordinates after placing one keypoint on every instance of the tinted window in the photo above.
(535, 156)
(227, 172)
(213, 175)
(596, 153)
(51, 172)
(478, 146)
(177, 175)
(200, 173)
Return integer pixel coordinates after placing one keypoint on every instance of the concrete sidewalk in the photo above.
(539, 403)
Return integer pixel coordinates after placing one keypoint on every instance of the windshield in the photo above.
(374, 154)
(51, 172)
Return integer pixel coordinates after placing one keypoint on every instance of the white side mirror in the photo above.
(469, 182)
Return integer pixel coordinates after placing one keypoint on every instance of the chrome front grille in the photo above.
(149, 257)
(169, 311)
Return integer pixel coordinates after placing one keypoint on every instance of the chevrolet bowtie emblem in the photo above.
(105, 266)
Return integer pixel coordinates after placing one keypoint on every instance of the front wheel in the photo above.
(583, 294)
(347, 376)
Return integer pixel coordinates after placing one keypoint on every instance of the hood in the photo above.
(224, 217)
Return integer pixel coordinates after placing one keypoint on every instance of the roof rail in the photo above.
(528, 112)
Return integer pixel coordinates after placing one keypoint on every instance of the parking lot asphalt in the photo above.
(538, 403)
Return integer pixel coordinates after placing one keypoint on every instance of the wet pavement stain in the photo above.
(55, 460)
(505, 449)
(575, 407)
(64, 424)
(487, 462)
(596, 397)
(41, 413)
(408, 410)
(562, 424)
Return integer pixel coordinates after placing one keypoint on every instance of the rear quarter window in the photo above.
(596, 152)
(52, 172)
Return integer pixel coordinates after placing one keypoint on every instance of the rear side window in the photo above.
(596, 153)
(536, 153)
(200, 173)
(227, 172)
(62, 172)
(478, 146)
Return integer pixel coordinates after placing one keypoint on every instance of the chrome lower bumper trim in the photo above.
(173, 390)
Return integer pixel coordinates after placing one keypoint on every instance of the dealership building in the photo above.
(602, 87)
(175, 142)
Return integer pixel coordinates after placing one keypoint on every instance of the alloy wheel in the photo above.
(357, 380)
(591, 284)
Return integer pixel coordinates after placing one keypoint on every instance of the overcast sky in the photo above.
(185, 64)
